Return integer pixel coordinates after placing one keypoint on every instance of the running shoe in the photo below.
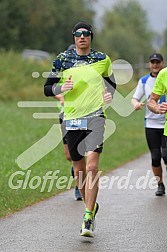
(95, 210)
(78, 195)
(88, 225)
(161, 190)
(87, 228)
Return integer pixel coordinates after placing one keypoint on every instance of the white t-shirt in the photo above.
(144, 88)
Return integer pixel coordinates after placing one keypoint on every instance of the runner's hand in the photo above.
(163, 108)
(68, 85)
(107, 96)
(139, 105)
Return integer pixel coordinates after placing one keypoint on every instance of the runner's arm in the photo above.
(110, 84)
(51, 88)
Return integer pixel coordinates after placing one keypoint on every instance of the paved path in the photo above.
(129, 220)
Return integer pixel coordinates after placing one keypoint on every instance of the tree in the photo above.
(125, 32)
(41, 24)
(11, 22)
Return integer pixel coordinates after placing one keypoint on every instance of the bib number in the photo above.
(76, 124)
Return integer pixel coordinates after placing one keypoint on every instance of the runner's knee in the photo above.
(156, 157)
(92, 169)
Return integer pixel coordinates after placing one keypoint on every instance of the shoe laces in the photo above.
(88, 223)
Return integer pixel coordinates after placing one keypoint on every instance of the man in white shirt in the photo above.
(154, 123)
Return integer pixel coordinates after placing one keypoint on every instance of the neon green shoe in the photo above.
(87, 229)
(88, 225)
(95, 210)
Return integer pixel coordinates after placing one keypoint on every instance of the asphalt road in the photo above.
(130, 218)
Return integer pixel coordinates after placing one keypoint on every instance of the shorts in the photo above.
(82, 141)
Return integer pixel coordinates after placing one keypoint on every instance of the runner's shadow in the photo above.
(87, 241)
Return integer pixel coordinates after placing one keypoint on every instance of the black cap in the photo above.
(82, 24)
(156, 56)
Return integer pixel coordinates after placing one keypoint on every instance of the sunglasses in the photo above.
(79, 33)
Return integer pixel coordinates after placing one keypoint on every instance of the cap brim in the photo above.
(156, 59)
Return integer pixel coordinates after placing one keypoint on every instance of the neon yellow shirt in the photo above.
(160, 88)
(87, 94)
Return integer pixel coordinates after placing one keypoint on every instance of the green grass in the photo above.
(16, 80)
(19, 130)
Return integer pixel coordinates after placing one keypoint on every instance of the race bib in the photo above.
(76, 124)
